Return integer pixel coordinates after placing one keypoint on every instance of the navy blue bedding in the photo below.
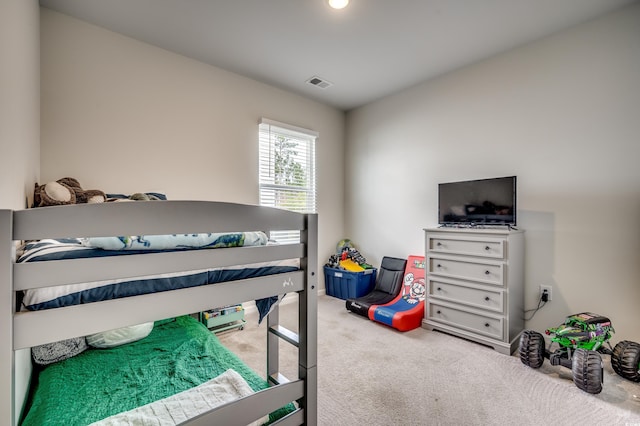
(55, 297)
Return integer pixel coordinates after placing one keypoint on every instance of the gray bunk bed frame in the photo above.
(23, 330)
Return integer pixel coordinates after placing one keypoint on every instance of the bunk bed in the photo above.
(22, 329)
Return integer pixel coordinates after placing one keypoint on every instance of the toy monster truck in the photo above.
(581, 341)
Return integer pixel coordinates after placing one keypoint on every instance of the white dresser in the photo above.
(475, 284)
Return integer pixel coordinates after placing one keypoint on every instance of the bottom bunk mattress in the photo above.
(177, 355)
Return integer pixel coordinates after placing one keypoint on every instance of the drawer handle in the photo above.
(487, 298)
(438, 266)
(486, 324)
(439, 289)
(438, 312)
(487, 248)
(487, 272)
(439, 244)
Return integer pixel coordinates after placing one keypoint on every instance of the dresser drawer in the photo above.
(478, 297)
(463, 268)
(483, 247)
(472, 321)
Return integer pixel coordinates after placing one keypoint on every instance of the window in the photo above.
(287, 170)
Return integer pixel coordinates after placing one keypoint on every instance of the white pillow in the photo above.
(120, 336)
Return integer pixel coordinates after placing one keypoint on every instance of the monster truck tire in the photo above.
(531, 348)
(625, 360)
(587, 370)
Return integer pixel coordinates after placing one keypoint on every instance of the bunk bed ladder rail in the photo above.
(306, 341)
(288, 336)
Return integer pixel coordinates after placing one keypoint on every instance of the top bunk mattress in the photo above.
(75, 248)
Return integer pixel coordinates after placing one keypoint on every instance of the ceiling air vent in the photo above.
(318, 82)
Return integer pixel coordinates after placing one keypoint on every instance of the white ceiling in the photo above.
(368, 50)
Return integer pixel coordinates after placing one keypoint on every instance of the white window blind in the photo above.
(287, 170)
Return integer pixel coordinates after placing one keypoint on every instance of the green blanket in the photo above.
(98, 383)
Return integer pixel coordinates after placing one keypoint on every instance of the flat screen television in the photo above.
(478, 202)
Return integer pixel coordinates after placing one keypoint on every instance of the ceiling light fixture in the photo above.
(338, 4)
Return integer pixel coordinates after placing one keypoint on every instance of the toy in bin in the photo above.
(580, 342)
(347, 257)
(347, 273)
(222, 319)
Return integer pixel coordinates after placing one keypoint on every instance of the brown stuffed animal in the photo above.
(65, 191)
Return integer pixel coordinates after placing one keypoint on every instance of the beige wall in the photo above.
(562, 115)
(124, 116)
(19, 101)
(19, 152)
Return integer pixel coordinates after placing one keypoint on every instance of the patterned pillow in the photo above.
(58, 351)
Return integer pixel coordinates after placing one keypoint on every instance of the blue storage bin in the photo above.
(348, 285)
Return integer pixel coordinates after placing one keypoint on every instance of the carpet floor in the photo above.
(371, 374)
